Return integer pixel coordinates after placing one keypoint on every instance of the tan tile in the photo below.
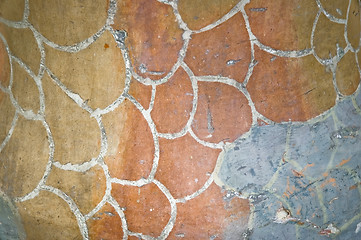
(223, 113)
(224, 50)
(209, 215)
(354, 24)
(190, 161)
(47, 216)
(147, 208)
(347, 75)
(284, 24)
(153, 52)
(284, 89)
(24, 158)
(327, 35)
(200, 13)
(23, 45)
(24, 89)
(86, 189)
(6, 117)
(142, 93)
(96, 73)
(335, 7)
(173, 103)
(12, 9)
(105, 224)
(5, 65)
(130, 143)
(76, 135)
(68, 22)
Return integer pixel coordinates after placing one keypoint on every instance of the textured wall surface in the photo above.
(182, 119)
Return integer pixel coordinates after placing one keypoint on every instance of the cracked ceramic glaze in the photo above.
(154, 121)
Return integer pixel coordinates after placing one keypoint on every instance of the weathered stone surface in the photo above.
(12, 9)
(200, 13)
(335, 7)
(105, 224)
(24, 89)
(153, 53)
(24, 158)
(142, 93)
(39, 214)
(147, 208)
(354, 24)
(278, 23)
(5, 119)
(223, 51)
(173, 103)
(223, 113)
(96, 73)
(191, 162)
(5, 65)
(23, 45)
(86, 189)
(282, 89)
(328, 38)
(130, 143)
(68, 22)
(76, 135)
(210, 216)
(347, 75)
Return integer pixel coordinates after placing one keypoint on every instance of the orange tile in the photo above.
(347, 75)
(354, 24)
(224, 50)
(142, 93)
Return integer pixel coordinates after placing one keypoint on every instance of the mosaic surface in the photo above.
(182, 119)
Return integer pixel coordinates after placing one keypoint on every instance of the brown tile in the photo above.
(190, 161)
(284, 89)
(147, 208)
(47, 216)
(96, 73)
(327, 35)
(24, 158)
(354, 24)
(142, 93)
(12, 9)
(173, 103)
(23, 45)
(335, 7)
(24, 89)
(130, 143)
(5, 65)
(76, 135)
(224, 50)
(68, 22)
(5, 119)
(105, 224)
(347, 75)
(86, 189)
(223, 113)
(200, 13)
(284, 24)
(209, 215)
(153, 53)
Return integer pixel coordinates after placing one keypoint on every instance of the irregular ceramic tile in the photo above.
(5, 65)
(24, 89)
(347, 75)
(39, 214)
(12, 9)
(285, 25)
(76, 135)
(23, 45)
(223, 113)
(282, 89)
(354, 24)
(173, 103)
(224, 50)
(154, 52)
(335, 7)
(5, 119)
(105, 224)
(86, 189)
(24, 158)
(191, 162)
(328, 38)
(200, 13)
(130, 143)
(146, 208)
(96, 73)
(211, 216)
(64, 22)
(142, 93)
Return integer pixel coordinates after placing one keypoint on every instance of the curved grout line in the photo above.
(330, 16)
(121, 214)
(198, 192)
(10, 132)
(219, 145)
